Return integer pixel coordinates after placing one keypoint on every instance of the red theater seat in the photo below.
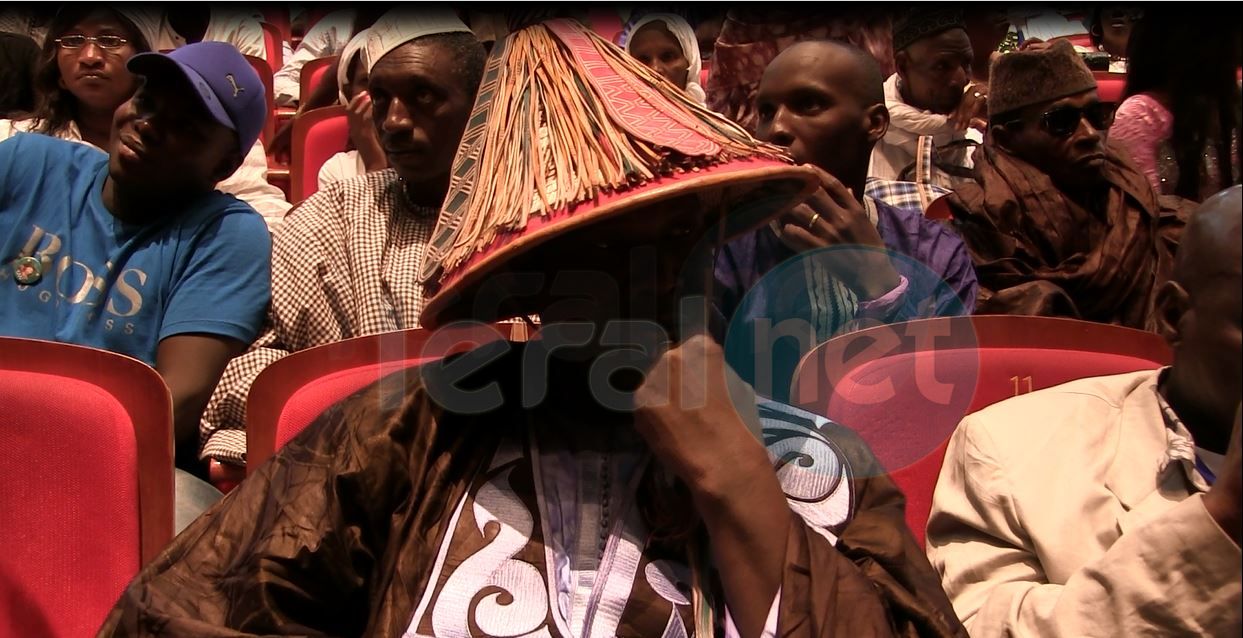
(313, 71)
(274, 44)
(318, 134)
(905, 387)
(939, 209)
(86, 465)
(1110, 86)
(289, 394)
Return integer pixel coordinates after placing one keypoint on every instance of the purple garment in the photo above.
(929, 255)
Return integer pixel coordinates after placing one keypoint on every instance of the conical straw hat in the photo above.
(568, 131)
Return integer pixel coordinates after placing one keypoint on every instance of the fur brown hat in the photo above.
(1023, 78)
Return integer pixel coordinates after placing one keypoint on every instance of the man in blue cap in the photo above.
(135, 251)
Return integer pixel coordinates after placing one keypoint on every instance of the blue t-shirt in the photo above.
(122, 287)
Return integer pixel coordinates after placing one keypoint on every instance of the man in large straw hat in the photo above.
(568, 487)
(345, 264)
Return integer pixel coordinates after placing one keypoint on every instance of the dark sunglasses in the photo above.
(1063, 121)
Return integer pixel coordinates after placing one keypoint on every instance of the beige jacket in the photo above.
(1059, 513)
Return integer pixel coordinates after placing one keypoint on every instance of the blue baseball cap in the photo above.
(222, 78)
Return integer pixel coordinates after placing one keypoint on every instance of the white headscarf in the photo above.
(402, 25)
(685, 35)
(149, 22)
(355, 45)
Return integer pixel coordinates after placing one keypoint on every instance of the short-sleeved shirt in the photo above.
(204, 268)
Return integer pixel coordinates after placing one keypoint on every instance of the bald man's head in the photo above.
(825, 101)
(1212, 243)
(856, 69)
(1201, 314)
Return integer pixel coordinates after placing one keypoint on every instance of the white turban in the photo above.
(149, 22)
(402, 25)
(355, 45)
(685, 35)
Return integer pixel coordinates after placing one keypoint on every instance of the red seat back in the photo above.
(1110, 86)
(291, 393)
(905, 387)
(274, 44)
(318, 134)
(313, 71)
(265, 75)
(939, 209)
(86, 465)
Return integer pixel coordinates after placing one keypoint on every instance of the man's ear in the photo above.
(1002, 137)
(901, 60)
(1173, 303)
(876, 122)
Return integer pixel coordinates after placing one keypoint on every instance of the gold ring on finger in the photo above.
(812, 222)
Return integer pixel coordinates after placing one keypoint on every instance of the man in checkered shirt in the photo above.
(345, 262)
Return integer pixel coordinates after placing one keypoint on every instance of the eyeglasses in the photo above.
(1063, 121)
(79, 41)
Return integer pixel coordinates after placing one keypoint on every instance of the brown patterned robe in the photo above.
(1037, 252)
(390, 516)
(752, 37)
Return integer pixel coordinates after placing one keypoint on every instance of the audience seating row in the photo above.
(76, 414)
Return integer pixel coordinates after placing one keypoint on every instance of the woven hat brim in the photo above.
(758, 191)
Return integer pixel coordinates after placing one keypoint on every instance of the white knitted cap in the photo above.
(402, 25)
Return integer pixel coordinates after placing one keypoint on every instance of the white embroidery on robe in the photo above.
(493, 594)
(515, 601)
(663, 577)
(812, 472)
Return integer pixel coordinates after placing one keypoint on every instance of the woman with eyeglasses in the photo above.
(1180, 120)
(81, 80)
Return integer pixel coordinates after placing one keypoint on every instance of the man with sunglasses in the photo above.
(1057, 223)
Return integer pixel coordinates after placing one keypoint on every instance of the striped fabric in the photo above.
(904, 195)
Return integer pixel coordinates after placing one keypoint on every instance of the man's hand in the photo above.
(833, 217)
(972, 111)
(363, 133)
(685, 414)
(1224, 500)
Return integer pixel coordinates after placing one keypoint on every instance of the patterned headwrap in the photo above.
(920, 23)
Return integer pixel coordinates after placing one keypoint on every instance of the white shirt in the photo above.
(233, 26)
(340, 167)
(328, 37)
(907, 124)
(248, 183)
